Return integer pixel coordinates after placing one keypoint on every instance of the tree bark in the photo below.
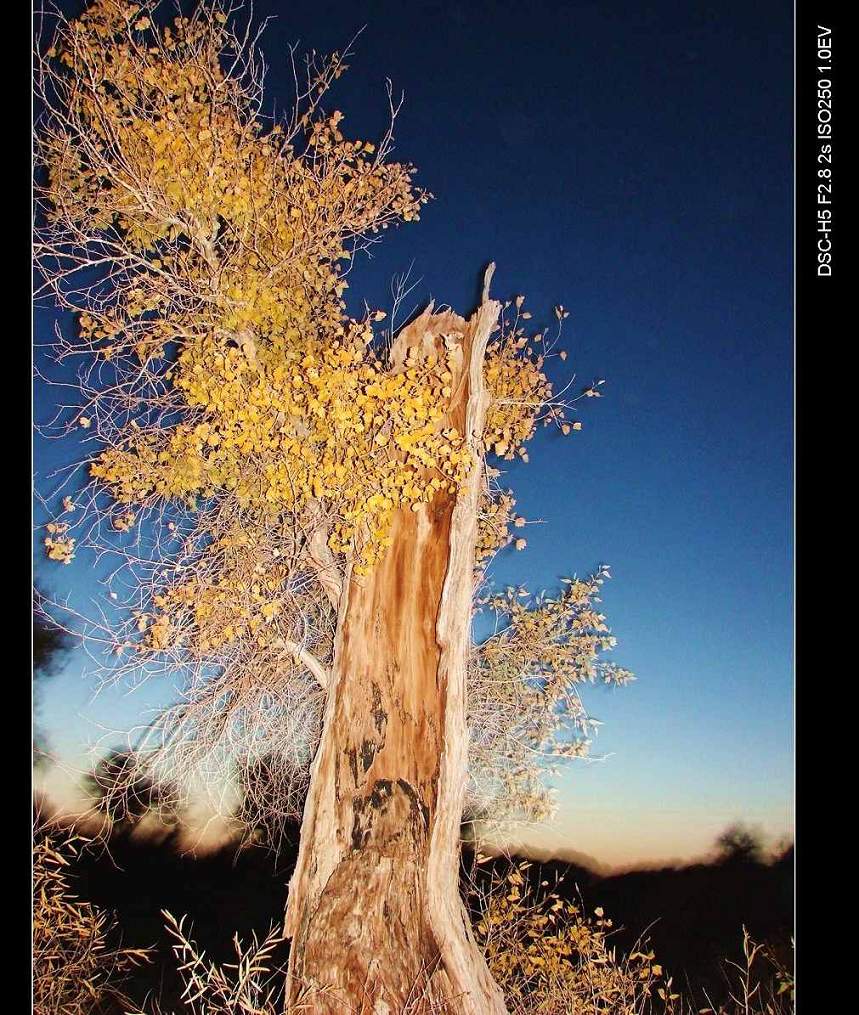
(375, 916)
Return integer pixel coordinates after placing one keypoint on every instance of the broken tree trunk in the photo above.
(375, 915)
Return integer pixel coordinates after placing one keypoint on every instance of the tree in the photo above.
(300, 504)
(738, 844)
(50, 648)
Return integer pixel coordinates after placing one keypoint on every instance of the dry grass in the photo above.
(76, 968)
(759, 985)
(252, 985)
(549, 956)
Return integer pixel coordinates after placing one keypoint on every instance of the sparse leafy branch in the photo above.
(525, 709)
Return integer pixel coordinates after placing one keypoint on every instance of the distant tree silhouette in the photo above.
(126, 792)
(739, 844)
(50, 647)
(783, 851)
(786, 855)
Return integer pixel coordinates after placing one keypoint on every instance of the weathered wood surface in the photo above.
(374, 912)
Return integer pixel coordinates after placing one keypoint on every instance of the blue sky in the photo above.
(633, 162)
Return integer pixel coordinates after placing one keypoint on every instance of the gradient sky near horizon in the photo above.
(632, 161)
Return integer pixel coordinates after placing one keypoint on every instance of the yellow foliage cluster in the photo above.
(171, 121)
(243, 596)
(568, 629)
(495, 513)
(549, 956)
(305, 423)
(519, 389)
(241, 601)
(243, 388)
(236, 235)
(59, 546)
(521, 392)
